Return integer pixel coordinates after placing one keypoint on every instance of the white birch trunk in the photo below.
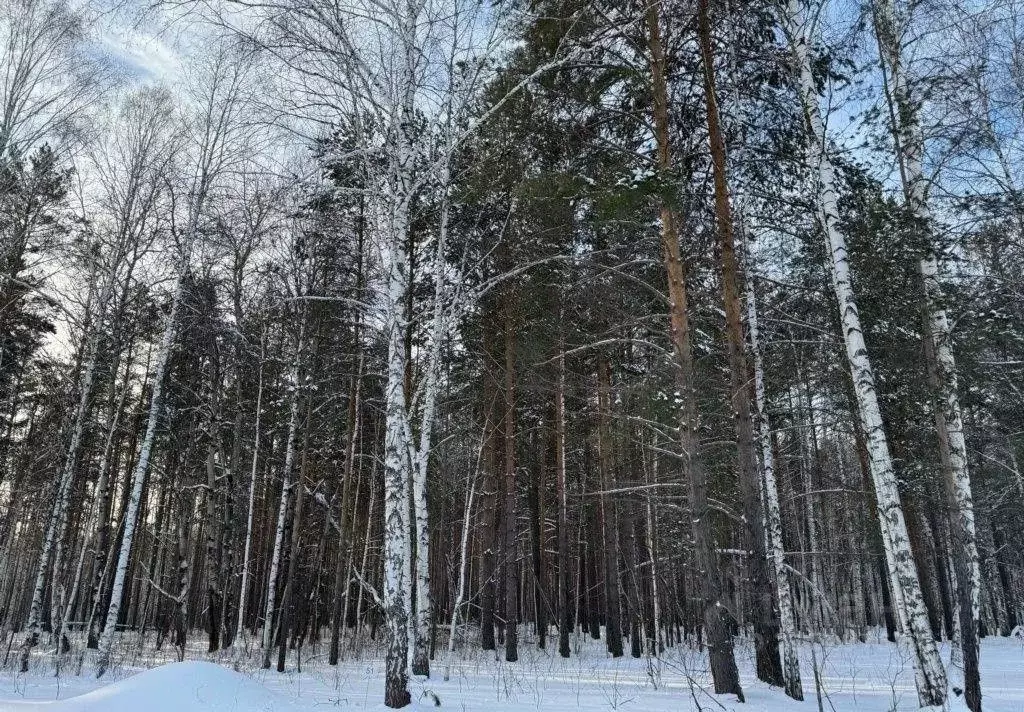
(282, 510)
(909, 139)
(956, 652)
(463, 561)
(931, 675)
(911, 146)
(421, 457)
(131, 509)
(949, 402)
(773, 513)
(103, 497)
(392, 218)
(397, 552)
(57, 523)
(243, 592)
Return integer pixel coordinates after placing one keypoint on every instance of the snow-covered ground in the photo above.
(871, 677)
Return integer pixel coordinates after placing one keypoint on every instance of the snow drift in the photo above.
(177, 687)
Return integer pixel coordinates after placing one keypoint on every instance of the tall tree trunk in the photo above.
(397, 543)
(487, 533)
(345, 549)
(564, 619)
(655, 643)
(766, 626)
(104, 488)
(909, 140)
(58, 520)
(214, 555)
(181, 598)
(286, 490)
(537, 553)
(773, 518)
(131, 507)
(509, 520)
(247, 551)
(608, 513)
(931, 676)
(288, 596)
(716, 620)
(341, 574)
(460, 596)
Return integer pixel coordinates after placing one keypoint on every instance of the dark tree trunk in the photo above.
(564, 614)
(509, 547)
(763, 608)
(724, 672)
(537, 527)
(214, 595)
(341, 575)
(608, 514)
(487, 533)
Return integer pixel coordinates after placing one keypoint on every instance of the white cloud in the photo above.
(145, 57)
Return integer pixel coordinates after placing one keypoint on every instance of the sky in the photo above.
(141, 55)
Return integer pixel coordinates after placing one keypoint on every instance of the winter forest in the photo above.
(395, 342)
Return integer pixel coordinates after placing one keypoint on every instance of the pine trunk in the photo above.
(766, 626)
(607, 511)
(509, 513)
(724, 672)
(341, 574)
(564, 619)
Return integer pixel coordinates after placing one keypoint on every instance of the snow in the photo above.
(857, 677)
(193, 686)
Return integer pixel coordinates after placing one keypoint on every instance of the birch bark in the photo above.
(131, 509)
(421, 456)
(773, 513)
(58, 520)
(244, 587)
(910, 145)
(930, 673)
(397, 552)
(286, 488)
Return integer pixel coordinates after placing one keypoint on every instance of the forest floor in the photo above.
(857, 677)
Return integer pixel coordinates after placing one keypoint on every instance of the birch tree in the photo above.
(132, 191)
(295, 378)
(57, 523)
(773, 514)
(908, 138)
(903, 576)
(325, 54)
(213, 136)
(133, 166)
(50, 81)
